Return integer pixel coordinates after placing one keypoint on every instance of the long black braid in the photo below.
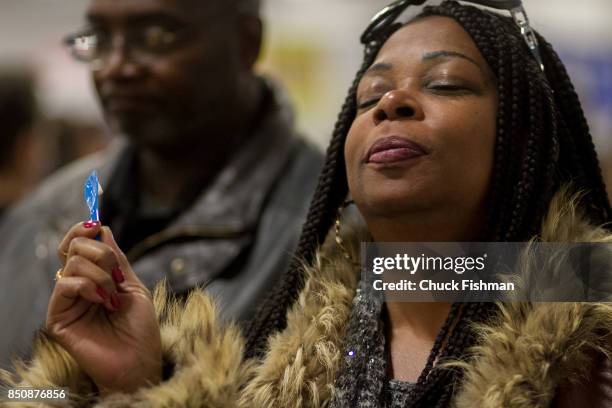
(542, 142)
(329, 194)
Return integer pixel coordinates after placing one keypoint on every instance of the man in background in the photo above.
(209, 187)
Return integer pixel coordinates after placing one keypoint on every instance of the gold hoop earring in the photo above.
(337, 226)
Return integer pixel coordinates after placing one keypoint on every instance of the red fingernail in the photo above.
(90, 224)
(118, 274)
(102, 293)
(115, 302)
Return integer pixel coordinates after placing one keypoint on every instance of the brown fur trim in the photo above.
(529, 350)
(302, 361)
(565, 222)
(207, 358)
(51, 367)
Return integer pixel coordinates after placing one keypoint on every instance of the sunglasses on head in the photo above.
(387, 16)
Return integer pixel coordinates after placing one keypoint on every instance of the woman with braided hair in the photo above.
(458, 127)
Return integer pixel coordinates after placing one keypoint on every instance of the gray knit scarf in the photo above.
(362, 381)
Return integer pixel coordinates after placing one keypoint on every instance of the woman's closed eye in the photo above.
(450, 88)
(368, 102)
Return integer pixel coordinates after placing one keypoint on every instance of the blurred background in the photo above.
(311, 45)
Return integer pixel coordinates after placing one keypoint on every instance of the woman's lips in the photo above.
(393, 149)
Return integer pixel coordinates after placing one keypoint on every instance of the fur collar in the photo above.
(539, 346)
(524, 355)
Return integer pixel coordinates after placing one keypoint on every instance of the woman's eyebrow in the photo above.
(378, 68)
(449, 54)
(382, 67)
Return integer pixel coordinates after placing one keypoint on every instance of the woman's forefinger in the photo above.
(87, 229)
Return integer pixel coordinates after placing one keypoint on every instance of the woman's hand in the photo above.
(102, 314)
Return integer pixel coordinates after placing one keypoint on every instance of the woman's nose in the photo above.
(397, 105)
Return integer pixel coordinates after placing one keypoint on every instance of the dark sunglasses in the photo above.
(387, 16)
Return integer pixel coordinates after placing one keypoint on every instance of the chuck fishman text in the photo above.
(453, 285)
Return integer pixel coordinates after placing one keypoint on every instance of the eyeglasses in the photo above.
(95, 44)
(384, 18)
